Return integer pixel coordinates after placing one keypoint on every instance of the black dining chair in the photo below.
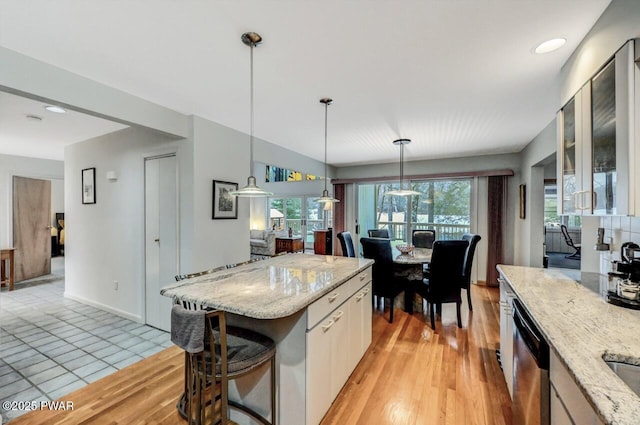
(567, 238)
(473, 240)
(385, 283)
(346, 242)
(444, 282)
(423, 238)
(378, 233)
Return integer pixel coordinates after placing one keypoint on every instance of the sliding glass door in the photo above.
(301, 214)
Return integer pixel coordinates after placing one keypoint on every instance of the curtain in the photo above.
(496, 224)
(338, 216)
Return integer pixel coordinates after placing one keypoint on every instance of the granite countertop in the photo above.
(269, 289)
(583, 328)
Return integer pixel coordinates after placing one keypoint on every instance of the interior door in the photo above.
(31, 227)
(161, 237)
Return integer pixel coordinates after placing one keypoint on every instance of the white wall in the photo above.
(529, 232)
(11, 166)
(619, 22)
(105, 241)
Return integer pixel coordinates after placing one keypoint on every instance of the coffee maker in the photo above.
(630, 262)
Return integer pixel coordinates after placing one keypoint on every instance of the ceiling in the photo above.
(457, 77)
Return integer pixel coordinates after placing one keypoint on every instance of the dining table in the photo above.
(411, 267)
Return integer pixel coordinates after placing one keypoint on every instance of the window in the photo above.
(445, 206)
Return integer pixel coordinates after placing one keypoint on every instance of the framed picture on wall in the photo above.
(225, 205)
(523, 201)
(89, 186)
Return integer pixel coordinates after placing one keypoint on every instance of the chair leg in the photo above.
(391, 310)
(273, 390)
(458, 314)
(469, 297)
(432, 315)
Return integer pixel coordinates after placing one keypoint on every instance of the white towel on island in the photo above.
(187, 328)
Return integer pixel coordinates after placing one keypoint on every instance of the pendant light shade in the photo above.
(251, 190)
(325, 198)
(402, 191)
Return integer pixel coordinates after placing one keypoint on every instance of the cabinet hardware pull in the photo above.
(328, 325)
(362, 278)
(333, 297)
(365, 290)
(337, 317)
(359, 296)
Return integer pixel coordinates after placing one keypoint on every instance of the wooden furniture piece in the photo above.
(6, 255)
(223, 353)
(322, 244)
(286, 244)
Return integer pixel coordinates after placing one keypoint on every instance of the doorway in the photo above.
(31, 227)
(302, 214)
(161, 236)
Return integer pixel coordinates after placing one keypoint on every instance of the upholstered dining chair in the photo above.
(444, 282)
(385, 283)
(423, 238)
(378, 233)
(346, 242)
(473, 240)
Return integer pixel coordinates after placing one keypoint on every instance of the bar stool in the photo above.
(236, 352)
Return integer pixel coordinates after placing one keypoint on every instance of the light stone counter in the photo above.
(269, 289)
(583, 328)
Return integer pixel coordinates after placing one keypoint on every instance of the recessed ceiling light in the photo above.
(550, 45)
(56, 109)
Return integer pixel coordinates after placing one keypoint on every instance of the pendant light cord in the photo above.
(401, 166)
(251, 124)
(326, 107)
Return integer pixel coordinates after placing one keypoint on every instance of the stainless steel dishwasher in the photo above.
(530, 370)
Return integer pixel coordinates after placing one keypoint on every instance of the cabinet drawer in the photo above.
(325, 305)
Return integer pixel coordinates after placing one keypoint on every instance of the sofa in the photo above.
(262, 242)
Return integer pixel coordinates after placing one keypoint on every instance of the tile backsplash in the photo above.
(617, 230)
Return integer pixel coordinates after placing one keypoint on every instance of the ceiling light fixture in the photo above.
(55, 109)
(325, 198)
(550, 45)
(402, 191)
(251, 190)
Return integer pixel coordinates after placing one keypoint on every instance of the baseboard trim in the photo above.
(121, 313)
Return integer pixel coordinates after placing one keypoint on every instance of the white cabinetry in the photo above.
(568, 405)
(596, 142)
(338, 334)
(506, 333)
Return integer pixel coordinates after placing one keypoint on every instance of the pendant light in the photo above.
(325, 198)
(402, 191)
(252, 190)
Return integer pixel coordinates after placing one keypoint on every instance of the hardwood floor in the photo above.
(409, 375)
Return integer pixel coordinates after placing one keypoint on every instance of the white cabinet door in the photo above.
(360, 310)
(506, 334)
(318, 371)
(559, 415)
(340, 370)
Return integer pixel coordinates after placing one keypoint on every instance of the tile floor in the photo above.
(51, 346)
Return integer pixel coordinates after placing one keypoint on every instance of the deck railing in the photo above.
(398, 231)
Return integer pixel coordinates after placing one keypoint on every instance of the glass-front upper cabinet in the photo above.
(594, 130)
(567, 122)
(603, 140)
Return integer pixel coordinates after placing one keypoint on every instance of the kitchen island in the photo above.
(583, 330)
(318, 311)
